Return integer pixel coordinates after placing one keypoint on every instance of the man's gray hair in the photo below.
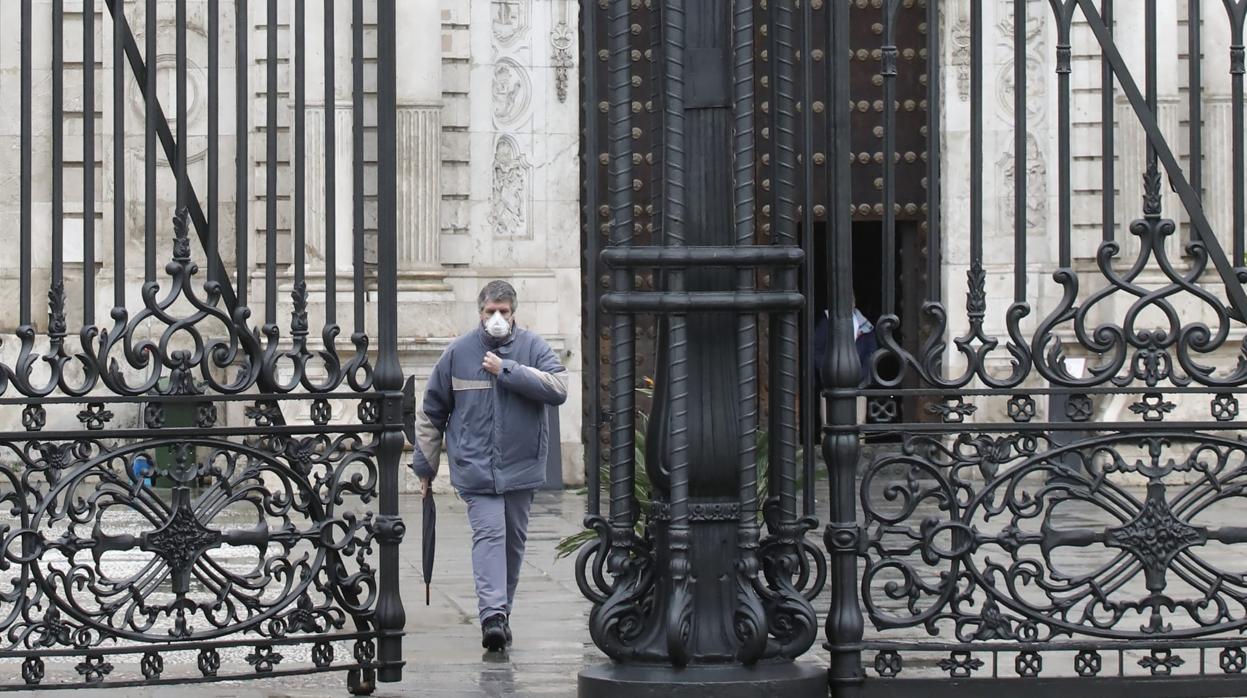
(496, 292)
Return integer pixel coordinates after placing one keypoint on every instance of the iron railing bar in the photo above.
(934, 99)
(195, 433)
(674, 195)
(390, 618)
(331, 175)
(1064, 19)
(160, 124)
(276, 673)
(745, 210)
(589, 144)
(841, 435)
(242, 153)
(331, 178)
(357, 153)
(119, 160)
(1019, 151)
(976, 134)
(112, 398)
(1107, 148)
(214, 145)
(1052, 646)
(191, 646)
(784, 330)
(682, 302)
(1150, 71)
(622, 391)
(888, 73)
(147, 89)
(1028, 427)
(743, 255)
(1063, 389)
(1235, 14)
(88, 162)
(58, 170)
(270, 166)
(183, 181)
(810, 418)
(25, 185)
(1190, 200)
(300, 158)
(1194, 92)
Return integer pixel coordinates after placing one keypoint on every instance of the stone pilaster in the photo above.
(419, 147)
(419, 189)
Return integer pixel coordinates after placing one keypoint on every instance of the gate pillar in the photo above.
(689, 595)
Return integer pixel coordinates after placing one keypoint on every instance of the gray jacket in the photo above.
(495, 428)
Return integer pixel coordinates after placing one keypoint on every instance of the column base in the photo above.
(785, 680)
(424, 280)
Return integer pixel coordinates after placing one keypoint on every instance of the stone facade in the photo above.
(487, 161)
(487, 166)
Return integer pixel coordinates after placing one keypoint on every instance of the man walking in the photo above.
(487, 397)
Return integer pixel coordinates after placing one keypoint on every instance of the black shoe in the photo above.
(493, 633)
(506, 628)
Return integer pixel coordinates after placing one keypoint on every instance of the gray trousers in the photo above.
(499, 531)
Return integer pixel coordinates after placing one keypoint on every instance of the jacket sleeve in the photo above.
(545, 382)
(431, 419)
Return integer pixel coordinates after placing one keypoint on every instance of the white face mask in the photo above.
(497, 327)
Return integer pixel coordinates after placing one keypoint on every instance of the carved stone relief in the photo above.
(561, 41)
(509, 19)
(1036, 89)
(1036, 189)
(1036, 66)
(510, 203)
(960, 58)
(512, 92)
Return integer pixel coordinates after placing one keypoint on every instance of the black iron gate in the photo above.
(1036, 479)
(191, 494)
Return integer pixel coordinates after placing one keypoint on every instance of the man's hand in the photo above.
(492, 363)
(425, 486)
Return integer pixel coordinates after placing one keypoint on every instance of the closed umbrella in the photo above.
(429, 539)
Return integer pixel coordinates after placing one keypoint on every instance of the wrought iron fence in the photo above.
(1049, 494)
(190, 494)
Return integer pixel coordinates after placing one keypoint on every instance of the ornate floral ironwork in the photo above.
(1153, 407)
(209, 661)
(1088, 663)
(1021, 408)
(94, 668)
(33, 671)
(154, 415)
(954, 509)
(152, 665)
(888, 663)
(34, 417)
(1161, 662)
(960, 664)
(1232, 660)
(264, 658)
(1224, 407)
(1028, 664)
(94, 417)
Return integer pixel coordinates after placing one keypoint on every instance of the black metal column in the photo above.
(391, 618)
(696, 602)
